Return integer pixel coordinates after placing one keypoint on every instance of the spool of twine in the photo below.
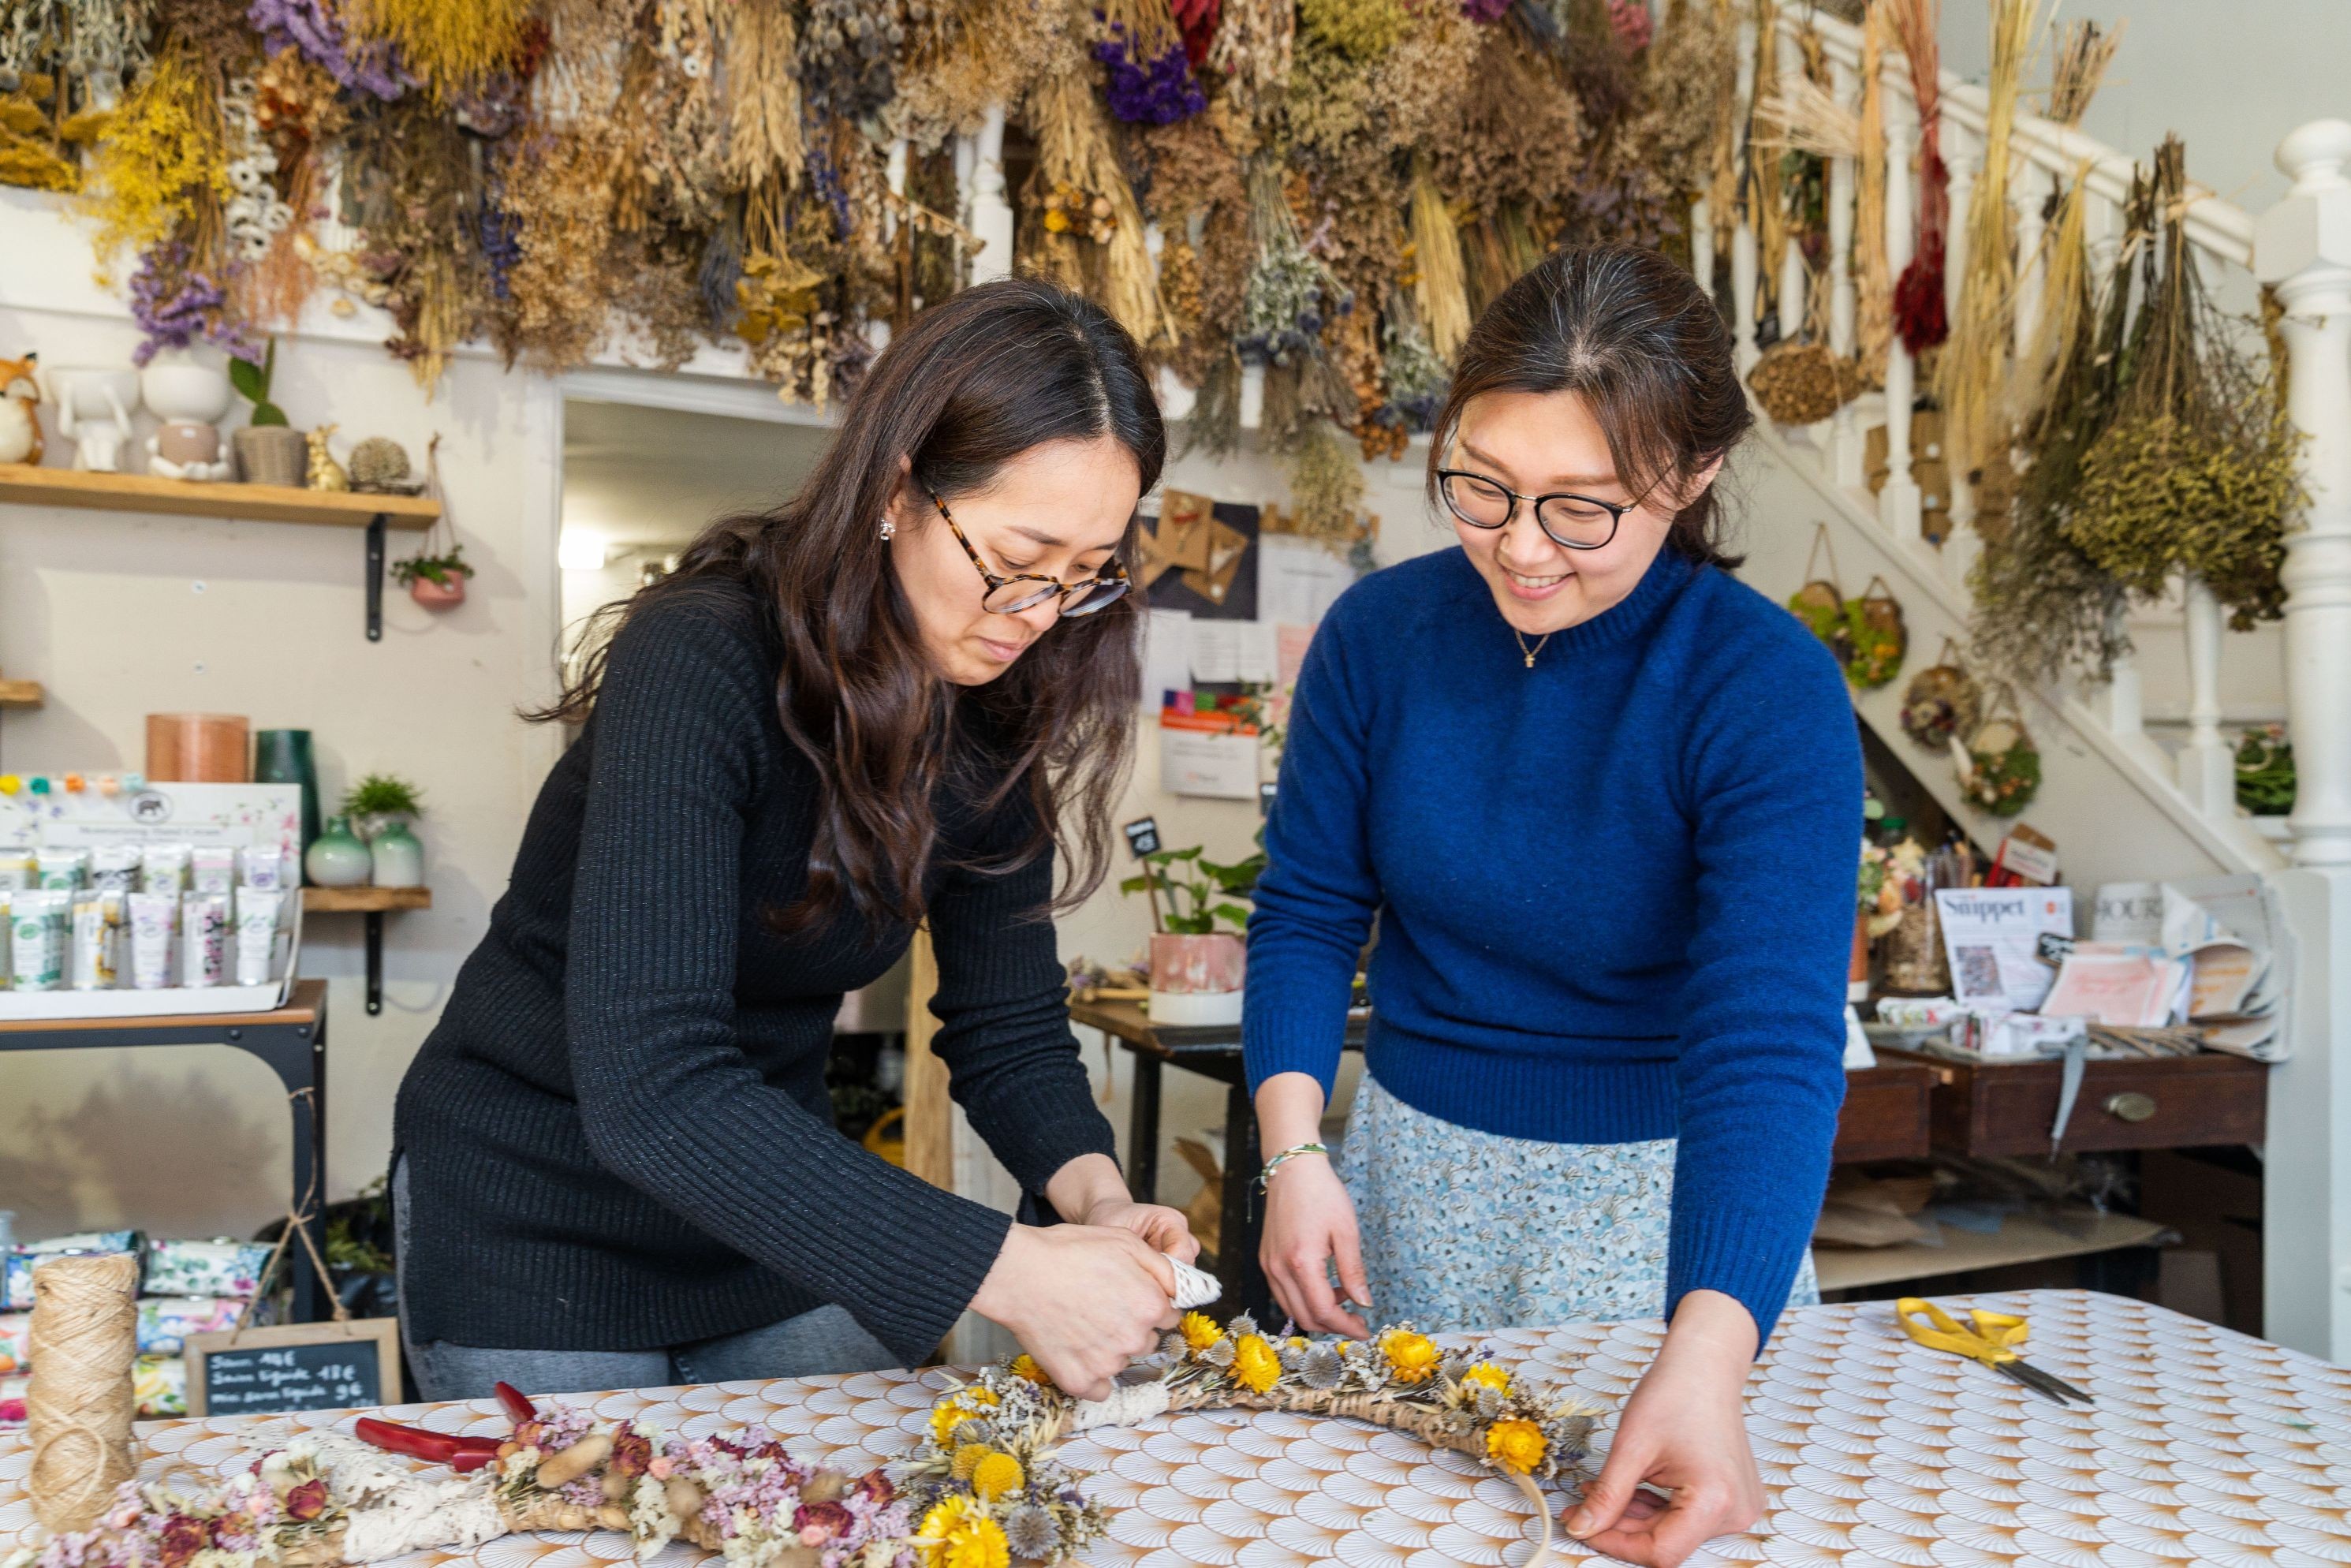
(78, 1409)
(199, 747)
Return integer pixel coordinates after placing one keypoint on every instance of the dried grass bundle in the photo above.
(452, 46)
(1076, 154)
(1252, 51)
(965, 57)
(2084, 53)
(1516, 138)
(1766, 210)
(2065, 301)
(1804, 117)
(1919, 311)
(557, 182)
(760, 95)
(1688, 89)
(1972, 379)
(1326, 486)
(1439, 287)
(1873, 270)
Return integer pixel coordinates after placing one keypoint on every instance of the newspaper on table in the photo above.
(2221, 944)
(1992, 937)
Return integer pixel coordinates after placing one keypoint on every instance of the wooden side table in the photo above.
(292, 1041)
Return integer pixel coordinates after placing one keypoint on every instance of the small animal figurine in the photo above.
(325, 473)
(94, 404)
(20, 427)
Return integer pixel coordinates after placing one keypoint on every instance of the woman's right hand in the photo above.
(1310, 1221)
(1083, 1300)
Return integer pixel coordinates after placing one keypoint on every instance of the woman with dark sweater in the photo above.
(1602, 799)
(888, 702)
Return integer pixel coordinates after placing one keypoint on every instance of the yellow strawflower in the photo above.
(958, 1534)
(1486, 1375)
(967, 1457)
(1025, 1365)
(1256, 1363)
(1517, 1446)
(996, 1474)
(1412, 1358)
(964, 1404)
(1200, 1332)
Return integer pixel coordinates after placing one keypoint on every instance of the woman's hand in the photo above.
(1310, 1221)
(1084, 1300)
(1683, 1430)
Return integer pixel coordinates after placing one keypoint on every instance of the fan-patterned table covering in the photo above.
(2204, 1446)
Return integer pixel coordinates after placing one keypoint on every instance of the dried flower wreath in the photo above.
(982, 1486)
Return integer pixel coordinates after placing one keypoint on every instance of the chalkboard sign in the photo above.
(297, 1366)
(1143, 836)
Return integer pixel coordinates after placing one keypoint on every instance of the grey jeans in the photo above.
(824, 1340)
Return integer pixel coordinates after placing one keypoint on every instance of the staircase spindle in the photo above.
(2031, 189)
(991, 212)
(2207, 772)
(1899, 504)
(1844, 435)
(1701, 222)
(1742, 233)
(1960, 544)
(2302, 245)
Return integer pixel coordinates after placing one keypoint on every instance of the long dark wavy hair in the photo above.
(972, 383)
(1635, 337)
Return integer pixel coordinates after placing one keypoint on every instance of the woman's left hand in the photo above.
(1684, 1431)
(1165, 1228)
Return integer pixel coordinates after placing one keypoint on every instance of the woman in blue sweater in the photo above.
(1601, 800)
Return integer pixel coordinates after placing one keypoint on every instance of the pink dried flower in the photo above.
(308, 1501)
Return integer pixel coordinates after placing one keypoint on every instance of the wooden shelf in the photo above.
(22, 693)
(363, 900)
(2023, 1238)
(22, 484)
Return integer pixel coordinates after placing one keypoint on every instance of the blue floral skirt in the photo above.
(1465, 1230)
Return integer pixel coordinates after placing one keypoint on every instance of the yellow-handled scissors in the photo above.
(1993, 1341)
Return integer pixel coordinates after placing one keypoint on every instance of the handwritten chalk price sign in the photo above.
(298, 1366)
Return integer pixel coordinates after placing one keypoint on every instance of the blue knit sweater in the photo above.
(1614, 892)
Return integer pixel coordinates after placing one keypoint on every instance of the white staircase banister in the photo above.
(2304, 249)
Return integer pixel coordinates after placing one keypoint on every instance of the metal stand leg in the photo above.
(1142, 1132)
(298, 1054)
(1242, 1224)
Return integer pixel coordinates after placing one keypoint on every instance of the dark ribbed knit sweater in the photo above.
(618, 1135)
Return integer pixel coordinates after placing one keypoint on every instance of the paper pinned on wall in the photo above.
(1233, 651)
(1208, 754)
(1298, 581)
(1167, 656)
(1289, 645)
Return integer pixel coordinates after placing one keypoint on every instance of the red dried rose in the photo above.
(632, 1452)
(183, 1536)
(876, 1488)
(830, 1518)
(308, 1501)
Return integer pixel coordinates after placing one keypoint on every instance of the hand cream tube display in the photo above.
(262, 866)
(37, 925)
(154, 917)
(213, 868)
(68, 869)
(97, 931)
(114, 868)
(17, 869)
(204, 939)
(256, 933)
(7, 940)
(163, 868)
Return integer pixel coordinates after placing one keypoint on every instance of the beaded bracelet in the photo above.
(1286, 1156)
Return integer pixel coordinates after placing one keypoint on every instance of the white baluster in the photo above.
(1898, 502)
(2206, 771)
(1845, 435)
(2031, 188)
(1701, 222)
(1794, 282)
(1743, 235)
(2303, 246)
(877, 330)
(991, 212)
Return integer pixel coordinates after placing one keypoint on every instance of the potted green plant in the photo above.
(269, 450)
(1197, 970)
(435, 581)
(381, 804)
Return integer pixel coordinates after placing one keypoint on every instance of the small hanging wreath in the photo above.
(1820, 603)
(1942, 702)
(1879, 636)
(2000, 767)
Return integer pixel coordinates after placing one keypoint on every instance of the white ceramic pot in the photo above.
(179, 386)
(94, 407)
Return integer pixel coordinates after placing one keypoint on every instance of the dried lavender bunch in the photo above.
(309, 26)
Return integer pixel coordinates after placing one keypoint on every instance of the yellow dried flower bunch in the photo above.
(453, 45)
(164, 160)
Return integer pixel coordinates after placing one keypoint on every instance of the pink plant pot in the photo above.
(1197, 980)
(436, 595)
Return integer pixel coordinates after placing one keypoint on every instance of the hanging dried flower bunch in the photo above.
(1919, 311)
(1252, 51)
(1147, 70)
(454, 46)
(32, 153)
(1087, 229)
(2196, 473)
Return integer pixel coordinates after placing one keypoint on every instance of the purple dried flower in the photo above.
(500, 233)
(1159, 90)
(1485, 10)
(311, 28)
(176, 307)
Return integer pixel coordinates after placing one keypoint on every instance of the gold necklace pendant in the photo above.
(1530, 653)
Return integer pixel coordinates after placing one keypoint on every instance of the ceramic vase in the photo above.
(271, 454)
(399, 856)
(1197, 980)
(338, 859)
(189, 396)
(283, 756)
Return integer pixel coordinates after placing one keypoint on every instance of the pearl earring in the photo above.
(889, 530)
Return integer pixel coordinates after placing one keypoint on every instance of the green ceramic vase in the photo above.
(337, 857)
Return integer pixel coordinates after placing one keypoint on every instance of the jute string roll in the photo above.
(78, 1409)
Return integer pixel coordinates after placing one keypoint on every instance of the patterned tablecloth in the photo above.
(2204, 1446)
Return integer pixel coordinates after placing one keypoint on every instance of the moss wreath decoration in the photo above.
(981, 1489)
(1943, 701)
(2000, 767)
